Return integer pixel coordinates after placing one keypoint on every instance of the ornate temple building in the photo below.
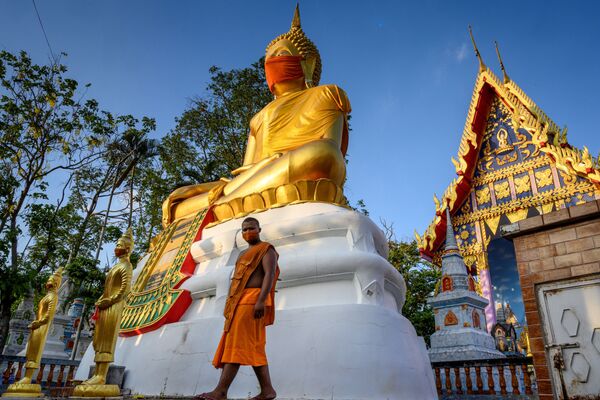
(513, 163)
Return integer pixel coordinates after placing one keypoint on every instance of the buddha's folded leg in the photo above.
(312, 161)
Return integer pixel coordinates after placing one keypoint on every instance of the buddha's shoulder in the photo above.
(333, 95)
(331, 89)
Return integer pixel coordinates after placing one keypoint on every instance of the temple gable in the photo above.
(513, 163)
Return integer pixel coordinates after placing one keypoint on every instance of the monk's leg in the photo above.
(227, 375)
(264, 379)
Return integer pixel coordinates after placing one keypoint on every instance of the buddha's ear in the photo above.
(308, 67)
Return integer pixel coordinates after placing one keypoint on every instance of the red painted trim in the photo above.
(463, 188)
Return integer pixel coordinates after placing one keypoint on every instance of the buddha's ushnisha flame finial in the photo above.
(127, 237)
(305, 46)
(296, 19)
(57, 277)
(482, 66)
(506, 78)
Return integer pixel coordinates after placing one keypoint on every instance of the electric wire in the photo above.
(43, 30)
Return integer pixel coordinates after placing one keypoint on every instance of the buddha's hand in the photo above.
(262, 162)
(241, 169)
(103, 303)
(259, 309)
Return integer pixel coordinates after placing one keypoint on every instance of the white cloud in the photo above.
(461, 52)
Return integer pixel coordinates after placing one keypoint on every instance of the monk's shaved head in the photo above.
(250, 219)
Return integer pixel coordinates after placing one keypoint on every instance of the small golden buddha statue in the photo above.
(37, 340)
(110, 307)
(300, 138)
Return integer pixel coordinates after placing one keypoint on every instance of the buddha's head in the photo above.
(124, 245)
(292, 60)
(54, 281)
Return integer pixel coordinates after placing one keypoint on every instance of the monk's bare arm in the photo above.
(269, 264)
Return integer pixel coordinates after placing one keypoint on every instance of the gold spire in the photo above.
(482, 66)
(296, 19)
(506, 78)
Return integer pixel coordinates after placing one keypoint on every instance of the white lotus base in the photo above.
(338, 332)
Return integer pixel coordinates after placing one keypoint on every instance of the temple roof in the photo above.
(525, 114)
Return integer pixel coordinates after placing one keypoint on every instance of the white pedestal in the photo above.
(338, 330)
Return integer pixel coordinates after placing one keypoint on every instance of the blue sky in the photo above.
(408, 68)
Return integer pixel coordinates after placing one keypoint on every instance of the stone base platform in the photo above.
(463, 344)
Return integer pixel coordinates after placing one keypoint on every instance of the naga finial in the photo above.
(506, 78)
(482, 66)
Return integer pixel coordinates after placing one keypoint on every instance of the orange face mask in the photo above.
(251, 236)
(282, 68)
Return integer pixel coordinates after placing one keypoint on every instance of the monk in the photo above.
(248, 310)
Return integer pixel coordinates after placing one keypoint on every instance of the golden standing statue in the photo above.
(110, 307)
(296, 145)
(37, 340)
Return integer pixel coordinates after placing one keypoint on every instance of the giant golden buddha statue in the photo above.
(296, 146)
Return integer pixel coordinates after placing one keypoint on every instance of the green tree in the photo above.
(47, 130)
(102, 181)
(421, 278)
(42, 125)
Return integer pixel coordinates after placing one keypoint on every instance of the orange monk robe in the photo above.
(244, 337)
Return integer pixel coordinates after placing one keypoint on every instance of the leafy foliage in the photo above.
(48, 133)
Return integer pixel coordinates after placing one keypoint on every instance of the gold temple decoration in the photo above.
(522, 184)
(543, 177)
(156, 291)
(110, 307)
(517, 215)
(296, 144)
(549, 196)
(505, 75)
(505, 172)
(37, 339)
(482, 66)
(450, 319)
(502, 190)
(503, 145)
(483, 195)
(550, 147)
